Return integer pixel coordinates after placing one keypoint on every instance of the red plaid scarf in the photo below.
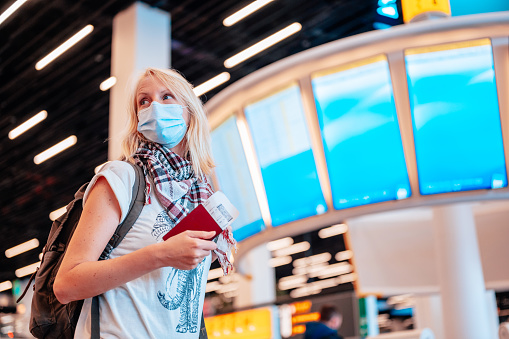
(178, 190)
(176, 186)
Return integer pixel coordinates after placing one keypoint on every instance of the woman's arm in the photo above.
(82, 276)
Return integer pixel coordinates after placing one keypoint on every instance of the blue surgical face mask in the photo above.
(162, 123)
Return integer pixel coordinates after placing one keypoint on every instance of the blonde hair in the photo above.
(197, 139)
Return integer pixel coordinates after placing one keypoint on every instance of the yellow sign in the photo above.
(412, 8)
(445, 47)
(250, 324)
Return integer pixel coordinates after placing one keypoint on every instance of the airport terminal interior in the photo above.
(364, 143)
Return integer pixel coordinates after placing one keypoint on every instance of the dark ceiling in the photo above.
(68, 88)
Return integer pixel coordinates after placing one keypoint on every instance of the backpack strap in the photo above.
(137, 202)
(135, 208)
(95, 331)
(203, 329)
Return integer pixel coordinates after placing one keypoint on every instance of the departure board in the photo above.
(360, 131)
(281, 139)
(456, 120)
(234, 179)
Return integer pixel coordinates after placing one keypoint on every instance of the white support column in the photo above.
(141, 38)
(428, 314)
(464, 305)
(491, 302)
(257, 284)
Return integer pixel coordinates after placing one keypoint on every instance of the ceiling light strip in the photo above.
(107, 84)
(244, 12)
(333, 271)
(313, 260)
(215, 273)
(295, 248)
(309, 269)
(280, 261)
(13, 8)
(344, 255)
(57, 213)
(212, 83)
(21, 248)
(6, 285)
(64, 47)
(24, 271)
(54, 150)
(279, 244)
(212, 286)
(28, 124)
(292, 281)
(262, 45)
(332, 231)
(317, 286)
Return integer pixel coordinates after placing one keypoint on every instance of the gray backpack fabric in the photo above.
(49, 318)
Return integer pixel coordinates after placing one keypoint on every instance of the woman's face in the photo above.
(150, 90)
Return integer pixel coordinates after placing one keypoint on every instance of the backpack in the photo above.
(49, 318)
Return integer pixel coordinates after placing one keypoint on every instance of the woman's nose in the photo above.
(158, 100)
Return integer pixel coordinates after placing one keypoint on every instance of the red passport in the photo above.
(198, 219)
(214, 214)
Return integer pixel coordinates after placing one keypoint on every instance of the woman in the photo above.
(149, 288)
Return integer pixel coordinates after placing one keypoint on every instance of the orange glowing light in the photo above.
(304, 318)
(301, 306)
(298, 329)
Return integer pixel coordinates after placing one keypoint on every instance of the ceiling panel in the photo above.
(68, 88)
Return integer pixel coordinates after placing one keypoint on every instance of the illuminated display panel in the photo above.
(259, 323)
(234, 179)
(360, 131)
(456, 121)
(281, 140)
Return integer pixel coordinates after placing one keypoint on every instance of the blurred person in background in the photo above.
(328, 326)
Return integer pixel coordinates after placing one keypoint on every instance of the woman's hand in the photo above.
(186, 250)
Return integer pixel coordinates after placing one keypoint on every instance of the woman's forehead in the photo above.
(149, 84)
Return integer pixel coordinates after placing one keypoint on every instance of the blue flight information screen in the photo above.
(234, 179)
(456, 120)
(360, 131)
(281, 140)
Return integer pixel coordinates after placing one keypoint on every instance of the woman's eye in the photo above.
(167, 97)
(143, 102)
